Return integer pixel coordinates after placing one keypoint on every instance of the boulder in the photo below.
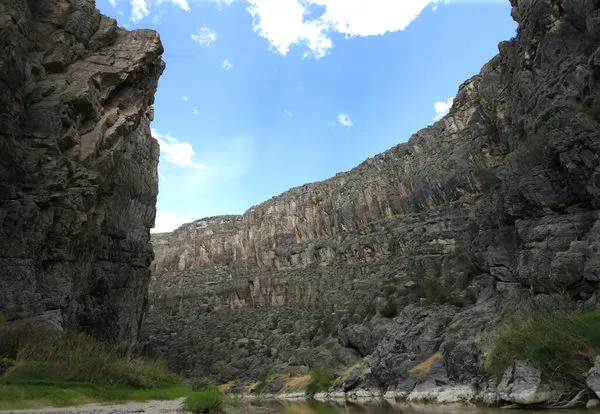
(522, 384)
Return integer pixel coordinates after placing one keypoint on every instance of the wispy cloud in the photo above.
(182, 4)
(285, 23)
(176, 152)
(442, 108)
(344, 120)
(287, 114)
(195, 111)
(167, 221)
(227, 65)
(228, 163)
(185, 98)
(204, 36)
(113, 2)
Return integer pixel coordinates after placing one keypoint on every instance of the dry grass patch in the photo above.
(297, 384)
(227, 386)
(424, 367)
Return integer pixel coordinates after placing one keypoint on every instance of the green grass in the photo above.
(209, 399)
(76, 357)
(561, 346)
(16, 394)
(322, 379)
(73, 369)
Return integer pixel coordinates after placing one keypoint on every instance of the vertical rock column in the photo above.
(78, 166)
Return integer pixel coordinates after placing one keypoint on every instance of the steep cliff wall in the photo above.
(497, 201)
(78, 166)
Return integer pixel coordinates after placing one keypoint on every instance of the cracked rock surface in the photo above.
(78, 166)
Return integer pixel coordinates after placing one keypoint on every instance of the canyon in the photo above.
(410, 260)
(417, 253)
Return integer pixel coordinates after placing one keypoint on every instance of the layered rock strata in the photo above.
(495, 205)
(78, 166)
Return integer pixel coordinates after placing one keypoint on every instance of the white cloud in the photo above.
(287, 114)
(204, 36)
(182, 4)
(179, 153)
(442, 108)
(227, 65)
(282, 23)
(113, 3)
(185, 98)
(139, 10)
(196, 112)
(285, 23)
(167, 221)
(344, 120)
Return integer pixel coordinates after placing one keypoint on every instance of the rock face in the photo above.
(450, 231)
(522, 384)
(78, 166)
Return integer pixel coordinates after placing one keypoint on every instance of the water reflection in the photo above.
(385, 407)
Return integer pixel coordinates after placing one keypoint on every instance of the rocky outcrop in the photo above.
(78, 166)
(418, 251)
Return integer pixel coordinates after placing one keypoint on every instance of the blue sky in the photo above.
(263, 95)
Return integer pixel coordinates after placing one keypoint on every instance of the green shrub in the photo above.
(209, 401)
(434, 290)
(561, 346)
(390, 309)
(322, 379)
(16, 335)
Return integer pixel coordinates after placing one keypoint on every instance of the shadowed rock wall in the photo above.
(78, 166)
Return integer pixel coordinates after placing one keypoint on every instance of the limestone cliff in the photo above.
(78, 166)
(497, 201)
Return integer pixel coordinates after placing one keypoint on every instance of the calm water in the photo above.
(315, 407)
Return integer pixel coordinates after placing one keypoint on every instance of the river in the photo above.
(384, 407)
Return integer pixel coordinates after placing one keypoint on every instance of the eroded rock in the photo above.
(78, 166)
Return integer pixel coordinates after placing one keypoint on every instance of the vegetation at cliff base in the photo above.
(561, 346)
(208, 399)
(322, 379)
(59, 369)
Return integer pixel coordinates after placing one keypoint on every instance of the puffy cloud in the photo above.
(139, 10)
(113, 3)
(344, 120)
(176, 152)
(442, 108)
(195, 111)
(204, 36)
(285, 23)
(185, 98)
(282, 23)
(167, 221)
(227, 65)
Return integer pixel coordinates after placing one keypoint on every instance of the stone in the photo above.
(592, 403)
(592, 380)
(353, 380)
(522, 384)
(78, 167)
